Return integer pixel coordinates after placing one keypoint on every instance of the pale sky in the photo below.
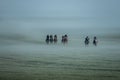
(60, 8)
(88, 14)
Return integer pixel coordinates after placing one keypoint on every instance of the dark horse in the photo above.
(95, 41)
(86, 40)
(55, 38)
(64, 39)
(51, 39)
(47, 39)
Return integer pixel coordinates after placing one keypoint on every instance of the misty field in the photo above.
(30, 61)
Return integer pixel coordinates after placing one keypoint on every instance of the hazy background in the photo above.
(35, 17)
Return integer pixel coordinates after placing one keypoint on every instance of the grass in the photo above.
(59, 63)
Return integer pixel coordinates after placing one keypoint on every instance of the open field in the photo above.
(72, 61)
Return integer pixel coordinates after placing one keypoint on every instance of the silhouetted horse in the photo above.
(51, 38)
(86, 40)
(95, 41)
(47, 39)
(64, 39)
(55, 38)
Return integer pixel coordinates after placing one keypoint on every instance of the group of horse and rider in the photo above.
(51, 39)
(64, 39)
(87, 41)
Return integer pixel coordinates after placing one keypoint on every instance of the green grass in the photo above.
(61, 64)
